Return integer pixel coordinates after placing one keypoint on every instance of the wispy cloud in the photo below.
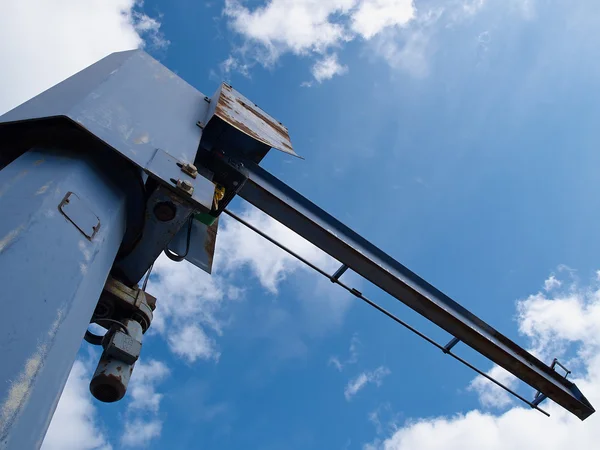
(139, 433)
(551, 283)
(192, 343)
(352, 357)
(142, 389)
(491, 395)
(325, 69)
(142, 424)
(356, 384)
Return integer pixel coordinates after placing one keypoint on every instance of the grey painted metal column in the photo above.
(62, 220)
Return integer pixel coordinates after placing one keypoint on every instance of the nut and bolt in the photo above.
(189, 169)
(185, 186)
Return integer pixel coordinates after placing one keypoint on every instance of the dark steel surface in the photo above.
(281, 202)
(201, 250)
(156, 235)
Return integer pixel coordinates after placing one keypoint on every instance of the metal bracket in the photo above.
(80, 215)
(450, 344)
(539, 397)
(119, 302)
(336, 276)
(199, 190)
(157, 231)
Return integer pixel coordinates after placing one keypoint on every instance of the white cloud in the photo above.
(403, 34)
(553, 324)
(298, 26)
(142, 387)
(45, 42)
(372, 16)
(140, 433)
(491, 395)
(356, 384)
(471, 7)
(141, 424)
(327, 68)
(407, 52)
(551, 283)
(310, 27)
(352, 357)
(192, 343)
(186, 294)
(335, 362)
(240, 247)
(233, 64)
(74, 425)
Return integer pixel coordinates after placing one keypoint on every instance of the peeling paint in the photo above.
(83, 268)
(83, 248)
(20, 389)
(142, 139)
(44, 188)
(10, 237)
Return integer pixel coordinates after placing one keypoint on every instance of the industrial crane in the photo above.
(124, 160)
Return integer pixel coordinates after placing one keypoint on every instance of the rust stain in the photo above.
(225, 108)
(210, 242)
(43, 188)
(38, 162)
(276, 126)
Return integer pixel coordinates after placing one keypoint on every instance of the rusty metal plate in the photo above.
(244, 115)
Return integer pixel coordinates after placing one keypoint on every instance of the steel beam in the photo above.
(296, 212)
(63, 219)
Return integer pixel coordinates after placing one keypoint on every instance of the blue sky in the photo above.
(459, 136)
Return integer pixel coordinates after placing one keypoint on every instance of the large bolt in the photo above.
(186, 186)
(189, 169)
